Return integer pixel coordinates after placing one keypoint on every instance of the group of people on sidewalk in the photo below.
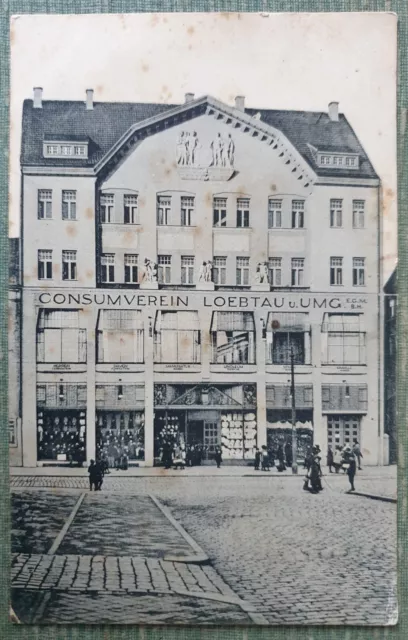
(345, 458)
(278, 455)
(179, 457)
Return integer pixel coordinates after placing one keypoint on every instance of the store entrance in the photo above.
(195, 432)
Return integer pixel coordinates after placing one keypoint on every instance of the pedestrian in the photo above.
(179, 461)
(357, 453)
(351, 471)
(218, 457)
(330, 459)
(98, 476)
(265, 459)
(288, 453)
(281, 458)
(257, 459)
(315, 472)
(93, 472)
(337, 459)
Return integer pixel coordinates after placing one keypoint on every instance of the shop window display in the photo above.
(120, 436)
(61, 436)
(238, 435)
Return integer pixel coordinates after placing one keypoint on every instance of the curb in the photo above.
(372, 496)
(200, 556)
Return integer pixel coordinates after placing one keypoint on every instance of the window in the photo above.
(220, 212)
(336, 213)
(66, 150)
(107, 202)
(187, 269)
(219, 270)
(44, 264)
(80, 150)
(187, 211)
(358, 272)
(274, 214)
(164, 264)
(131, 268)
(336, 271)
(120, 336)
(243, 212)
(163, 210)
(61, 336)
(298, 267)
(344, 339)
(177, 337)
(298, 214)
(130, 209)
(108, 267)
(55, 149)
(275, 272)
(287, 334)
(233, 337)
(69, 205)
(242, 271)
(69, 265)
(44, 204)
(358, 214)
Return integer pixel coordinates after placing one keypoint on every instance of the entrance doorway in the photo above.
(342, 430)
(195, 432)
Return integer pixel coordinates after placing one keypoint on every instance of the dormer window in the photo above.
(65, 149)
(335, 160)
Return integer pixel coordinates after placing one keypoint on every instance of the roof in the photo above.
(107, 122)
(390, 286)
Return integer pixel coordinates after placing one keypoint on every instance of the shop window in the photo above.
(61, 435)
(288, 334)
(177, 337)
(233, 337)
(344, 339)
(120, 436)
(61, 337)
(120, 336)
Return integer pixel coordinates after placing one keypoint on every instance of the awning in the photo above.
(288, 322)
(343, 323)
(59, 319)
(177, 321)
(232, 321)
(120, 320)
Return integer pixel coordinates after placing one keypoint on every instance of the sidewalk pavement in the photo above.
(204, 470)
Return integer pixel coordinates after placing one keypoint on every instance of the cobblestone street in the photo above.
(270, 552)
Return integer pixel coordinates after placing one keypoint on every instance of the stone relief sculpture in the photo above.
(205, 273)
(261, 274)
(201, 163)
(186, 147)
(150, 270)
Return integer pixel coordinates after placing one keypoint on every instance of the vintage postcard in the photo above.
(202, 319)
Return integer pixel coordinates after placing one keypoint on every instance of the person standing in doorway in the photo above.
(357, 453)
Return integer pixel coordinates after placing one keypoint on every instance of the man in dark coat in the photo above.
(257, 459)
(218, 457)
(94, 473)
(351, 471)
(330, 459)
(288, 453)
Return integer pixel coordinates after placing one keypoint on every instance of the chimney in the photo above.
(37, 102)
(334, 111)
(89, 99)
(240, 103)
(189, 97)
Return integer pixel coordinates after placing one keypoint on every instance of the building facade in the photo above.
(175, 258)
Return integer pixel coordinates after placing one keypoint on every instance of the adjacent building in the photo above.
(390, 365)
(175, 258)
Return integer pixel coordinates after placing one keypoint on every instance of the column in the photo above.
(260, 381)
(29, 381)
(91, 386)
(149, 398)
